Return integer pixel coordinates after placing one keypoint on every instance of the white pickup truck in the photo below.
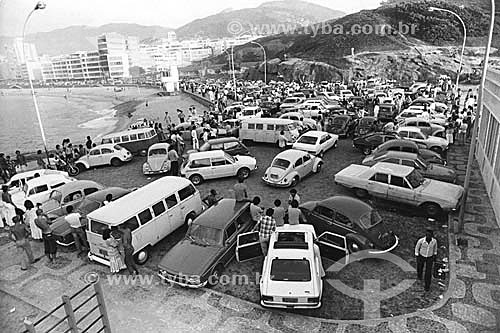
(402, 184)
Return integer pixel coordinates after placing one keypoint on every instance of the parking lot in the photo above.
(408, 224)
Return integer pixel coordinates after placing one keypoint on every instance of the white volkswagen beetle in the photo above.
(105, 154)
(290, 166)
(157, 162)
(316, 142)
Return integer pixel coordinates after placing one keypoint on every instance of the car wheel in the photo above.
(73, 170)
(318, 168)
(432, 209)
(142, 256)
(243, 173)
(361, 193)
(189, 219)
(367, 150)
(196, 179)
(294, 182)
(336, 144)
(81, 167)
(353, 246)
(116, 162)
(213, 279)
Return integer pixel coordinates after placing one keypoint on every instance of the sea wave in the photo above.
(107, 120)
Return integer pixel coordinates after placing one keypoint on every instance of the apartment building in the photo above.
(113, 57)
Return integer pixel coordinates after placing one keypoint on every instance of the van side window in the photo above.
(259, 126)
(145, 216)
(141, 136)
(152, 133)
(117, 139)
(251, 126)
(98, 227)
(270, 127)
(186, 192)
(158, 208)
(171, 201)
(133, 137)
(132, 223)
(104, 141)
(125, 138)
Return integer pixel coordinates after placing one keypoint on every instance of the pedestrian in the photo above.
(212, 198)
(168, 119)
(240, 190)
(74, 220)
(426, 251)
(256, 211)
(39, 160)
(19, 232)
(30, 216)
(49, 241)
(267, 225)
(194, 137)
(116, 263)
(88, 143)
(173, 157)
(82, 151)
(449, 133)
(279, 213)
(108, 199)
(293, 196)
(21, 161)
(181, 116)
(282, 140)
(205, 135)
(462, 132)
(295, 214)
(128, 249)
(4, 168)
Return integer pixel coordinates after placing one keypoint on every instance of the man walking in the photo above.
(74, 221)
(128, 249)
(173, 157)
(425, 251)
(20, 234)
(267, 225)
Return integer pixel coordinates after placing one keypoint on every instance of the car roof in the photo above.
(393, 169)
(132, 131)
(46, 179)
(277, 121)
(105, 145)
(159, 145)
(100, 196)
(291, 154)
(398, 142)
(222, 140)
(399, 154)
(348, 206)
(77, 184)
(409, 129)
(206, 154)
(31, 173)
(314, 133)
(416, 119)
(122, 209)
(293, 252)
(219, 214)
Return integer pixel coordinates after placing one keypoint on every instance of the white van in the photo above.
(267, 130)
(38, 189)
(152, 212)
(17, 181)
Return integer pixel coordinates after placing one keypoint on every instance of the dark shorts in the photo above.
(49, 243)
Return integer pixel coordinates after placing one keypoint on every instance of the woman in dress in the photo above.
(115, 260)
(30, 216)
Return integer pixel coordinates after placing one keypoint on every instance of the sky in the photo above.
(166, 13)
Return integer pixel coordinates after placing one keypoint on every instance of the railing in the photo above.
(71, 318)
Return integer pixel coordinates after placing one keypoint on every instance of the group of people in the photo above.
(9, 167)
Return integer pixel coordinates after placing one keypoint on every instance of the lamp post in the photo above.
(265, 59)
(234, 75)
(472, 146)
(432, 9)
(39, 6)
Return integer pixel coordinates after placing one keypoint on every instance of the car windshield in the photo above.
(157, 151)
(295, 270)
(280, 164)
(88, 206)
(370, 219)
(415, 179)
(204, 235)
(308, 140)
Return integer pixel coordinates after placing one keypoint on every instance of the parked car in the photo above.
(201, 166)
(290, 166)
(60, 227)
(387, 113)
(106, 154)
(426, 126)
(428, 170)
(352, 218)
(290, 103)
(316, 142)
(157, 161)
(70, 194)
(410, 147)
(16, 182)
(342, 125)
(434, 143)
(358, 102)
(369, 142)
(230, 128)
(401, 184)
(366, 125)
(38, 190)
(208, 246)
(230, 145)
(249, 112)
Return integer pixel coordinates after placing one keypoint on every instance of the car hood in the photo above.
(49, 205)
(60, 227)
(155, 163)
(246, 160)
(442, 190)
(189, 258)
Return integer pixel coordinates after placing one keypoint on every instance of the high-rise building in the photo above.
(113, 57)
(28, 50)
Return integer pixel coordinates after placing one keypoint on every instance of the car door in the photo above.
(417, 137)
(201, 166)
(324, 143)
(230, 238)
(221, 167)
(174, 214)
(425, 127)
(298, 166)
(106, 155)
(378, 185)
(333, 246)
(308, 164)
(94, 157)
(248, 246)
(400, 191)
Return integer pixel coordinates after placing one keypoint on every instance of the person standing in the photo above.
(294, 213)
(128, 249)
(49, 242)
(74, 221)
(30, 216)
(181, 116)
(256, 211)
(240, 190)
(194, 137)
(115, 260)
(20, 234)
(109, 198)
(88, 143)
(39, 160)
(173, 157)
(426, 251)
(4, 168)
(293, 196)
(282, 140)
(21, 161)
(267, 225)
(279, 213)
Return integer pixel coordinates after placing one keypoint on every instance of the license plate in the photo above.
(290, 300)
(274, 176)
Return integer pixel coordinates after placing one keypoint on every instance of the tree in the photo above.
(136, 71)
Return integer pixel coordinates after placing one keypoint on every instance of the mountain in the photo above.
(262, 19)
(84, 38)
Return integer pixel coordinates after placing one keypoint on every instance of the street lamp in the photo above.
(432, 9)
(39, 6)
(234, 75)
(265, 59)
(472, 146)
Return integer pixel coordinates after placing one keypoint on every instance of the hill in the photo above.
(295, 13)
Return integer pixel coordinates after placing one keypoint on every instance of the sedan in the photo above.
(106, 154)
(357, 221)
(316, 142)
(368, 143)
(290, 166)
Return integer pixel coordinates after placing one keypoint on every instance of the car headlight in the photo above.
(146, 167)
(266, 298)
(313, 300)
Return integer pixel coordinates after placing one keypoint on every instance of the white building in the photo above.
(113, 57)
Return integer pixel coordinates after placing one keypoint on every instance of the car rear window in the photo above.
(294, 270)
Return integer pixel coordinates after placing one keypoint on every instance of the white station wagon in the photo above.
(105, 154)
(38, 189)
(216, 164)
(316, 142)
(290, 166)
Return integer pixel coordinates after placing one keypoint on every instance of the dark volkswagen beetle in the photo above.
(357, 221)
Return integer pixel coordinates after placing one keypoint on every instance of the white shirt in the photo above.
(194, 135)
(425, 249)
(73, 220)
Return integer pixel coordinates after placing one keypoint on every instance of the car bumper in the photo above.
(152, 172)
(128, 158)
(279, 305)
(396, 243)
(99, 259)
(275, 183)
(180, 283)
